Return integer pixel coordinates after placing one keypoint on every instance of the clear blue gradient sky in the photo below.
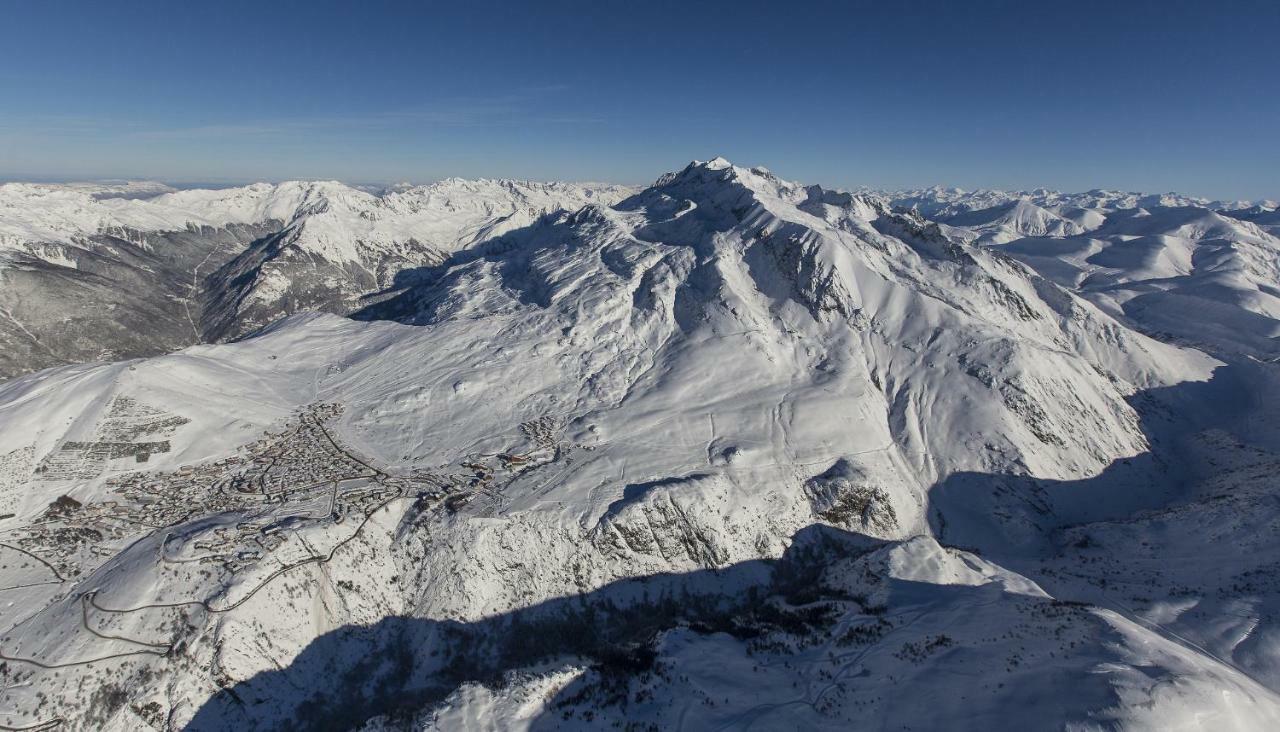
(1150, 96)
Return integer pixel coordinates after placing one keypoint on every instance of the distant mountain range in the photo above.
(102, 272)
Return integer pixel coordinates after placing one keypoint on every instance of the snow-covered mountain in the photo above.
(942, 203)
(1159, 262)
(96, 272)
(727, 452)
(343, 244)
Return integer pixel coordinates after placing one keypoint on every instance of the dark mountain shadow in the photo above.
(400, 665)
(1012, 517)
(607, 698)
(635, 492)
(416, 293)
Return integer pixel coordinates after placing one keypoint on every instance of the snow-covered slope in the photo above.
(1182, 269)
(448, 214)
(732, 451)
(1184, 274)
(124, 270)
(343, 244)
(942, 203)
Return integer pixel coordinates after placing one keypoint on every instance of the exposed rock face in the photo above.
(846, 496)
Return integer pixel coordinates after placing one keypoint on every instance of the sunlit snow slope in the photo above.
(731, 451)
(100, 272)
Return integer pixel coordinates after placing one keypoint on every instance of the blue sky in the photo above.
(1149, 96)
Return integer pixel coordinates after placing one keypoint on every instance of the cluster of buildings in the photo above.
(287, 480)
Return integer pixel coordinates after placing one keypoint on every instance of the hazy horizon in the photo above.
(233, 183)
(1150, 97)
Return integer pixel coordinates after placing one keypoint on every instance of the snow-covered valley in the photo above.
(109, 271)
(724, 452)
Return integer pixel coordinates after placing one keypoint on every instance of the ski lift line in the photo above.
(30, 584)
(47, 724)
(38, 559)
(69, 664)
(342, 450)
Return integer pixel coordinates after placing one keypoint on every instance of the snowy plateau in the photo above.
(724, 452)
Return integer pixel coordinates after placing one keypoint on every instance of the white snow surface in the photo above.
(341, 222)
(691, 379)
